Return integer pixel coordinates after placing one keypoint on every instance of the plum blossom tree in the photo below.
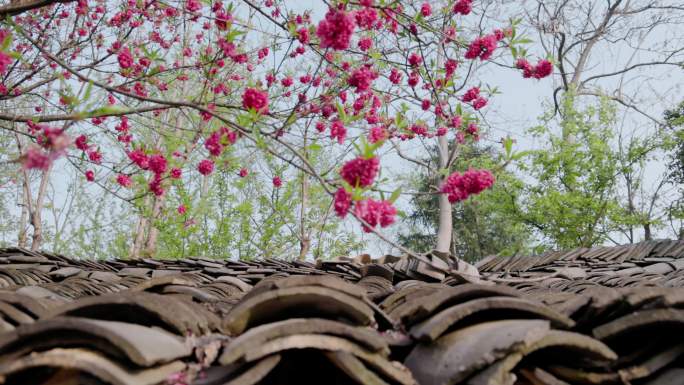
(142, 95)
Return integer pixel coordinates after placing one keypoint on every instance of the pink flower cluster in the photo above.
(360, 172)
(463, 7)
(362, 79)
(124, 180)
(53, 143)
(258, 100)
(35, 158)
(371, 211)
(335, 31)
(338, 131)
(5, 59)
(139, 158)
(125, 58)
(343, 202)
(218, 139)
(426, 9)
(205, 167)
(366, 17)
(193, 5)
(542, 69)
(483, 47)
(459, 186)
(473, 95)
(377, 134)
(375, 213)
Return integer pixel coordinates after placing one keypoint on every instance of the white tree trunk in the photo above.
(445, 228)
(445, 225)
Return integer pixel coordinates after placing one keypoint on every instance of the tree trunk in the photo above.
(140, 232)
(23, 219)
(153, 232)
(445, 229)
(36, 216)
(304, 239)
(647, 232)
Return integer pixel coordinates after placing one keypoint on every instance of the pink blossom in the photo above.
(366, 17)
(460, 137)
(365, 43)
(213, 143)
(258, 100)
(426, 9)
(335, 31)
(459, 186)
(479, 103)
(287, 81)
(450, 67)
(81, 143)
(395, 76)
(243, 172)
(419, 129)
(90, 175)
(343, 202)
(377, 134)
(375, 213)
(35, 158)
(471, 95)
(543, 68)
(193, 5)
(277, 182)
(362, 79)
(482, 47)
(155, 185)
(205, 166)
(413, 79)
(337, 130)
(95, 156)
(463, 7)
(222, 19)
(414, 60)
(303, 35)
(176, 173)
(425, 104)
(456, 121)
(523, 64)
(360, 172)
(5, 61)
(158, 164)
(139, 158)
(125, 58)
(124, 180)
(181, 209)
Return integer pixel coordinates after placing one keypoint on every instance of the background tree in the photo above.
(482, 225)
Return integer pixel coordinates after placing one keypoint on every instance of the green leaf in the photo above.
(107, 110)
(508, 146)
(6, 42)
(314, 147)
(341, 113)
(88, 91)
(395, 195)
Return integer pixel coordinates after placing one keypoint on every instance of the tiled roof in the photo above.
(580, 317)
